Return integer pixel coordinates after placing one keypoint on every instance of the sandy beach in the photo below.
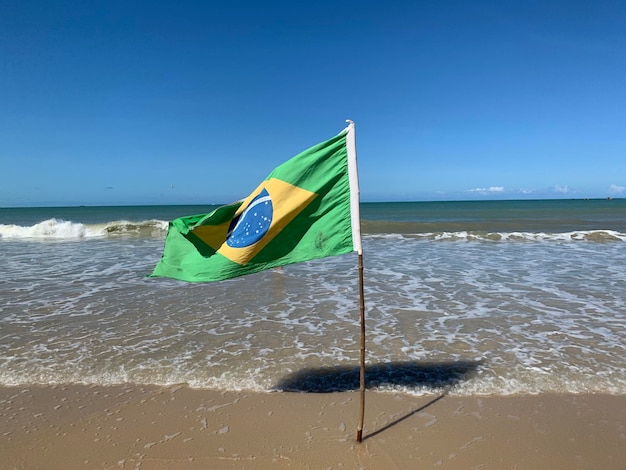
(131, 426)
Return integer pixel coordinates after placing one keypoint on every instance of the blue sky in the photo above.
(187, 102)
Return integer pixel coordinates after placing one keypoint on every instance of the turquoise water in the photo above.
(529, 295)
(542, 215)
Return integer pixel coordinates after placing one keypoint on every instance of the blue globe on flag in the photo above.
(253, 223)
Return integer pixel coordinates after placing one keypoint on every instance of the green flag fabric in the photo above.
(307, 208)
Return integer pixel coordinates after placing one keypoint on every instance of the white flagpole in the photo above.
(354, 188)
(356, 241)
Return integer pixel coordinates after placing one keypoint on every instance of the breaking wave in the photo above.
(66, 230)
(581, 235)
(58, 229)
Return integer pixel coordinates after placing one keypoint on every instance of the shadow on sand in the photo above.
(438, 376)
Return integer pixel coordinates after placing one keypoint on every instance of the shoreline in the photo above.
(176, 427)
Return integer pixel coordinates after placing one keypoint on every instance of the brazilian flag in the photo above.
(307, 208)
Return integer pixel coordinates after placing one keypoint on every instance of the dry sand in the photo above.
(130, 426)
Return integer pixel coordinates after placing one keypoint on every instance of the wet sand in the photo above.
(130, 426)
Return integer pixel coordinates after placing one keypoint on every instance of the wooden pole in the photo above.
(356, 241)
(359, 429)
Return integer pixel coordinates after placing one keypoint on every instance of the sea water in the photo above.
(484, 298)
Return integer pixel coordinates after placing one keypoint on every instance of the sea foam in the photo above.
(475, 236)
(68, 230)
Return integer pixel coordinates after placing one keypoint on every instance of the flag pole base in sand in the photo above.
(359, 429)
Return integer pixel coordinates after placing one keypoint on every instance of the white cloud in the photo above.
(490, 189)
(562, 189)
(615, 189)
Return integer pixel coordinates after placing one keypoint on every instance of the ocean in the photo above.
(477, 298)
